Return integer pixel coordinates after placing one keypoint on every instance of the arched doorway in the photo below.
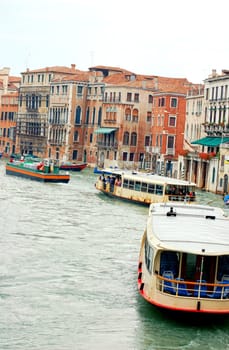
(101, 159)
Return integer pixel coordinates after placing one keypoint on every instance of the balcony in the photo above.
(107, 145)
(170, 151)
(111, 122)
(152, 149)
(56, 143)
(216, 128)
(111, 100)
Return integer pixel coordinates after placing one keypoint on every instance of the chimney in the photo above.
(73, 66)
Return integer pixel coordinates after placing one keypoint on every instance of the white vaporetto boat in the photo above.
(144, 188)
(184, 258)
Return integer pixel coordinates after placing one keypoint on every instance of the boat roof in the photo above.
(197, 229)
(147, 177)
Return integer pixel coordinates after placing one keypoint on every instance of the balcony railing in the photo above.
(170, 151)
(107, 145)
(214, 127)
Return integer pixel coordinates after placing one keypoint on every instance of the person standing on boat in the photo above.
(226, 199)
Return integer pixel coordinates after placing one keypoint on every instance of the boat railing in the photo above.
(198, 289)
(181, 198)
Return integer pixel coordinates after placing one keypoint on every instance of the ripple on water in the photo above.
(68, 273)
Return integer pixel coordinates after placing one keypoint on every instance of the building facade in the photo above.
(214, 146)
(9, 87)
(109, 116)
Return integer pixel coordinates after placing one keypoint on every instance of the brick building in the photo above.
(9, 87)
(107, 116)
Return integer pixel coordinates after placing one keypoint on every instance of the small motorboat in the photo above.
(72, 166)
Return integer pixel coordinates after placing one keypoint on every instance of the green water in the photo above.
(68, 273)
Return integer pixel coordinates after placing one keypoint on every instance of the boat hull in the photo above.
(132, 199)
(73, 167)
(36, 175)
(101, 171)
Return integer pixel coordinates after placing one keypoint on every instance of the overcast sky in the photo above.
(173, 38)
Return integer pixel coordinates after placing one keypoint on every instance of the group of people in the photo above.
(112, 180)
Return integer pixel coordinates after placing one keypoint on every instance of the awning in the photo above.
(211, 141)
(104, 130)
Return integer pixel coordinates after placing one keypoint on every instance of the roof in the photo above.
(54, 69)
(190, 231)
(211, 141)
(148, 177)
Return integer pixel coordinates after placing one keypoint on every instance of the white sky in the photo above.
(173, 38)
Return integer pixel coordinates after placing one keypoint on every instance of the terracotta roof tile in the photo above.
(55, 69)
(81, 76)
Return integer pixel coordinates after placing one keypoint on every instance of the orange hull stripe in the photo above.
(38, 175)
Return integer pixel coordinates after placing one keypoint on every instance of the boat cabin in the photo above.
(145, 188)
(184, 258)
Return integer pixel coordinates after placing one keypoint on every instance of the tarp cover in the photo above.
(211, 141)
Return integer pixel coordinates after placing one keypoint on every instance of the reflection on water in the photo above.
(68, 273)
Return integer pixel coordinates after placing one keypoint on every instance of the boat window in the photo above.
(148, 256)
(223, 266)
(131, 184)
(159, 189)
(167, 189)
(151, 188)
(125, 183)
(144, 187)
(169, 262)
(190, 266)
(137, 186)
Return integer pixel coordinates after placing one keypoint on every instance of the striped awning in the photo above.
(211, 141)
(104, 130)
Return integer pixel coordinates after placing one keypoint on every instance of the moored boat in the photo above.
(184, 258)
(144, 188)
(44, 171)
(105, 171)
(72, 166)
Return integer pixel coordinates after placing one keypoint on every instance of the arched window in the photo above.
(87, 115)
(76, 136)
(93, 116)
(135, 115)
(128, 114)
(133, 140)
(100, 116)
(126, 138)
(47, 100)
(33, 101)
(78, 115)
(213, 175)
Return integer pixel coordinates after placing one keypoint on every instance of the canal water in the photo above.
(68, 273)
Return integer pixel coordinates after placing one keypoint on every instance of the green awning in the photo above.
(104, 130)
(211, 141)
